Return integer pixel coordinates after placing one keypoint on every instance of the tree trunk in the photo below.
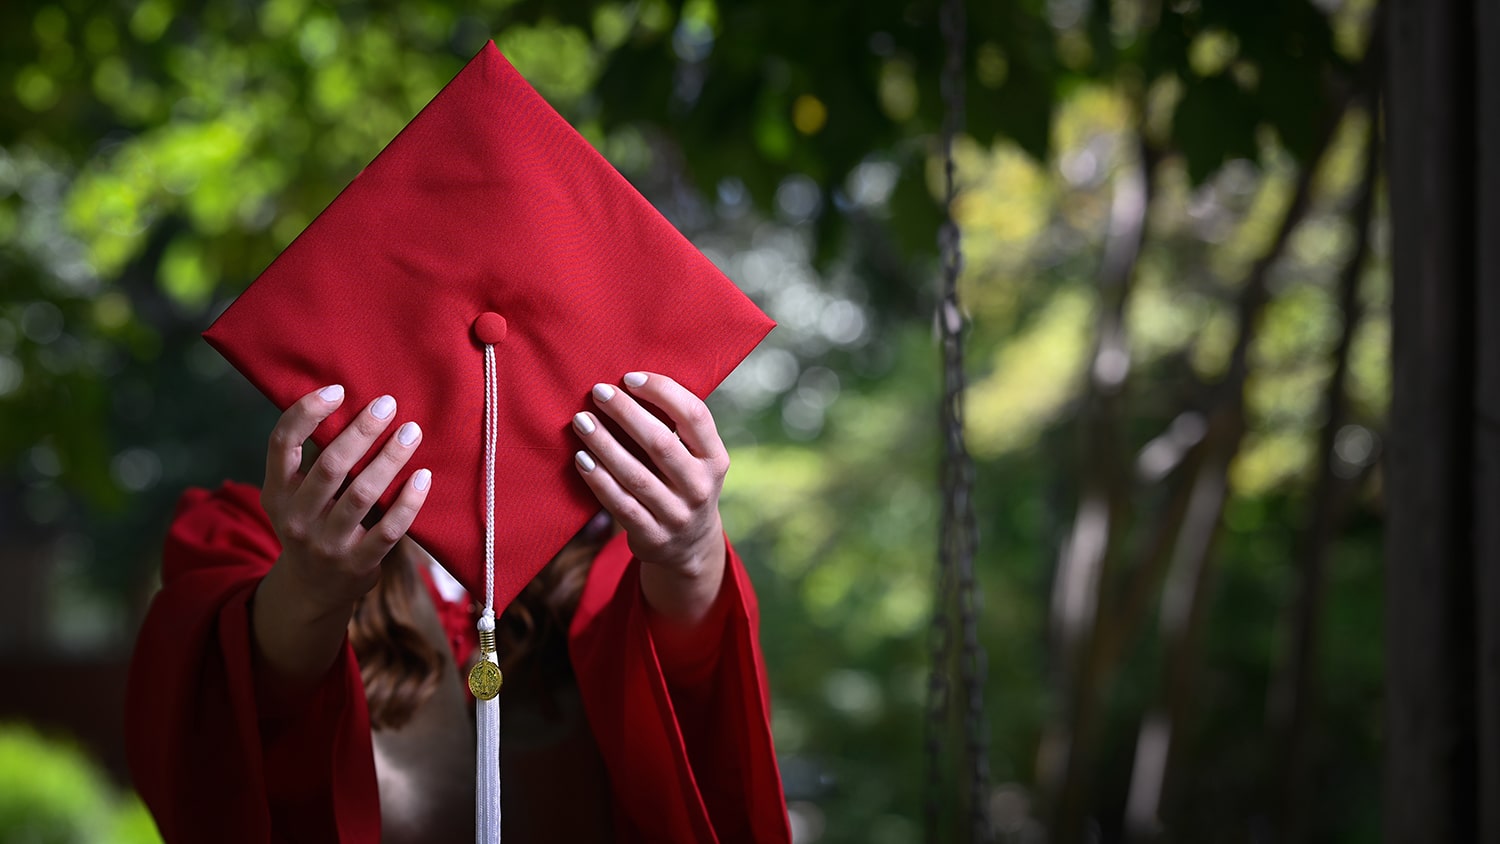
(1486, 486)
(1443, 534)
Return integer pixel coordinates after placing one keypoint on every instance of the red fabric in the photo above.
(199, 753)
(710, 738)
(687, 762)
(487, 203)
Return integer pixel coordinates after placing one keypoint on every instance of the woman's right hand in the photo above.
(325, 545)
(329, 559)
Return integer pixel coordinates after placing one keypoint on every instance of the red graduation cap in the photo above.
(488, 218)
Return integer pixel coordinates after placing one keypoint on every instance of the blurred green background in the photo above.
(1177, 293)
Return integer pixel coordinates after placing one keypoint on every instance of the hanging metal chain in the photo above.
(966, 774)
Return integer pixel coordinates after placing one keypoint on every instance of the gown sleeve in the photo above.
(209, 764)
(708, 735)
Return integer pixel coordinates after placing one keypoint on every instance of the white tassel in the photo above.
(484, 678)
(487, 760)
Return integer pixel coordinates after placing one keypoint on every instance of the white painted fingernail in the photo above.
(383, 407)
(585, 461)
(603, 392)
(332, 393)
(409, 433)
(635, 379)
(421, 479)
(584, 424)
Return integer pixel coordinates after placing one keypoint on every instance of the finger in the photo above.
(284, 453)
(332, 466)
(695, 425)
(628, 472)
(383, 536)
(627, 510)
(367, 487)
(659, 442)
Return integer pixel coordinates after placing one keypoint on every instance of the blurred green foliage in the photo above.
(51, 793)
(155, 156)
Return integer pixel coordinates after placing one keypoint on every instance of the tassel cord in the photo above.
(487, 703)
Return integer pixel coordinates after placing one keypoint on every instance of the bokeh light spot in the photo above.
(809, 114)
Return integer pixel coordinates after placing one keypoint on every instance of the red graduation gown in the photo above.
(687, 762)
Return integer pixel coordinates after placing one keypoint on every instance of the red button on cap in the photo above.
(489, 328)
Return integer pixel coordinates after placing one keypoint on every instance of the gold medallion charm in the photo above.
(485, 680)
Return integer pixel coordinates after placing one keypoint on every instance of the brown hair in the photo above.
(401, 668)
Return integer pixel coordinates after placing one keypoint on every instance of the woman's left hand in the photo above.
(668, 505)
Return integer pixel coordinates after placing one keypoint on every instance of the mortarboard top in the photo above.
(488, 215)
